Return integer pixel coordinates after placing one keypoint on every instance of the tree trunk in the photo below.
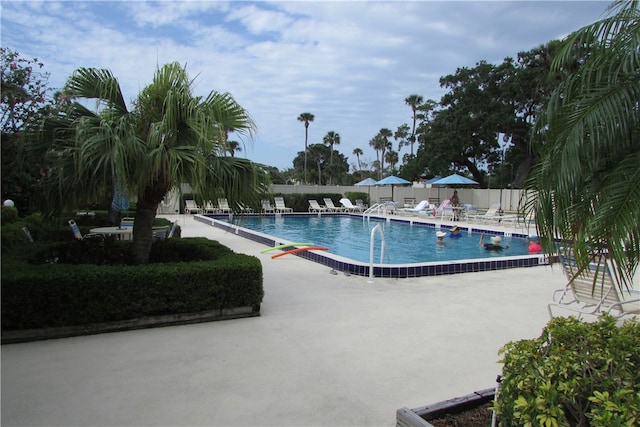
(147, 207)
(143, 231)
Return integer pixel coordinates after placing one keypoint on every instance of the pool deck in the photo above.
(327, 350)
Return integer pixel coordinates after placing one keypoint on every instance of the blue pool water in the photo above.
(405, 243)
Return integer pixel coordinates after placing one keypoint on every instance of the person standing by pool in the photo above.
(534, 245)
(455, 232)
(455, 200)
(494, 245)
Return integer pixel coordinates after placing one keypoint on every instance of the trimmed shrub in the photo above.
(574, 374)
(53, 295)
(8, 214)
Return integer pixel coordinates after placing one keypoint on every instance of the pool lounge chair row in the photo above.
(222, 206)
(329, 206)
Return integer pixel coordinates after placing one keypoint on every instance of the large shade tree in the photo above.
(24, 97)
(169, 138)
(586, 188)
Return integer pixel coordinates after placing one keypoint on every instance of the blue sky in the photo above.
(350, 63)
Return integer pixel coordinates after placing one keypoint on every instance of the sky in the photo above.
(349, 63)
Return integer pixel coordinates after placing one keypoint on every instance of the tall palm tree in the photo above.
(376, 143)
(358, 152)
(413, 101)
(586, 188)
(330, 139)
(306, 118)
(385, 145)
(170, 137)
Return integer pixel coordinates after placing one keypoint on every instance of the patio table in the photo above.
(120, 232)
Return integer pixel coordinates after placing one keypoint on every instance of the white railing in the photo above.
(378, 228)
(380, 209)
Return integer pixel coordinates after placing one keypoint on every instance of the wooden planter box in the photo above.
(419, 417)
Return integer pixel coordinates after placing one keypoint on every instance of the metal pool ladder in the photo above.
(378, 228)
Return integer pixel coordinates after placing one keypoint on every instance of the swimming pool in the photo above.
(405, 242)
(470, 259)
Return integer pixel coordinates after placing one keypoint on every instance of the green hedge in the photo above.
(55, 295)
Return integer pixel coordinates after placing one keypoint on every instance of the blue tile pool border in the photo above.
(395, 271)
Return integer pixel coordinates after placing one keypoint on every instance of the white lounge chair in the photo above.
(209, 208)
(314, 206)
(350, 207)
(280, 205)
(78, 234)
(27, 234)
(420, 207)
(592, 291)
(223, 206)
(127, 222)
(172, 230)
(360, 204)
(330, 206)
(191, 207)
(491, 215)
(266, 206)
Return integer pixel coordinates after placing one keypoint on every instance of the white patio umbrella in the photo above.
(369, 182)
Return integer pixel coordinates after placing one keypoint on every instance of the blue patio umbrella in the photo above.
(392, 180)
(434, 179)
(454, 179)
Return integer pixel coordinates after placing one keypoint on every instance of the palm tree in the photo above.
(385, 144)
(377, 142)
(358, 152)
(306, 118)
(330, 139)
(413, 101)
(233, 147)
(170, 137)
(392, 159)
(585, 189)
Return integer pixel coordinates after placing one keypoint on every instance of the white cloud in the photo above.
(350, 63)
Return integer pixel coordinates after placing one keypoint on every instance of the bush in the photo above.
(574, 374)
(8, 214)
(55, 295)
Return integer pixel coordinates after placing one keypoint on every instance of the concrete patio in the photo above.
(327, 350)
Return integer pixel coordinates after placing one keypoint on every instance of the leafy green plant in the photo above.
(574, 374)
(8, 214)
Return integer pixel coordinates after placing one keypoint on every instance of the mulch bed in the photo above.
(476, 417)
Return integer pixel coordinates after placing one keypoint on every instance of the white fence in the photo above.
(482, 198)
